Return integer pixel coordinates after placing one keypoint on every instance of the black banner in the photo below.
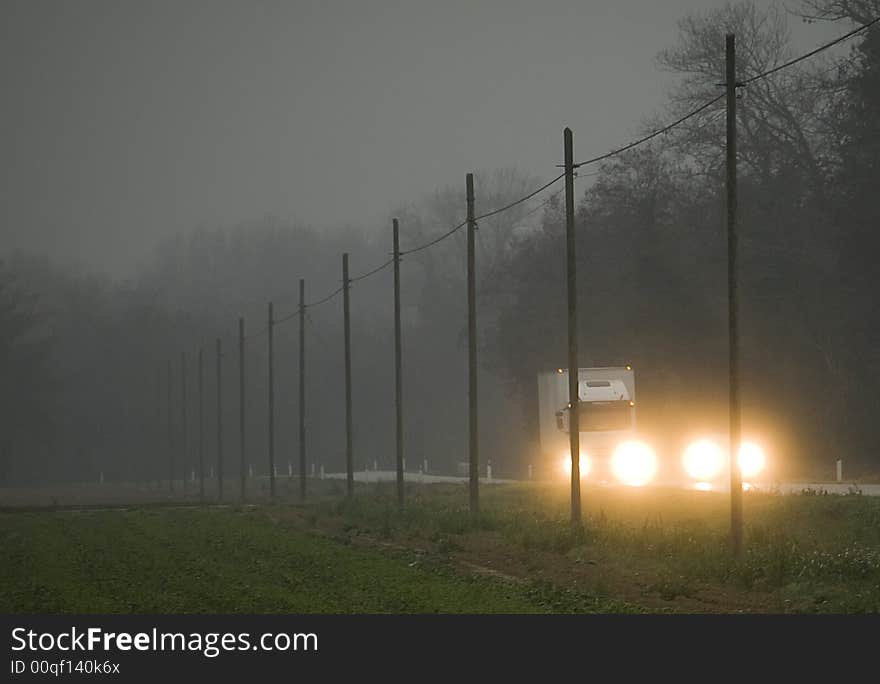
(220, 647)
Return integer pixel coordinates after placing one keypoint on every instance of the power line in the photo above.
(461, 225)
(257, 334)
(547, 201)
(809, 54)
(369, 273)
(521, 199)
(286, 318)
(635, 143)
(711, 102)
(435, 240)
(337, 291)
(325, 299)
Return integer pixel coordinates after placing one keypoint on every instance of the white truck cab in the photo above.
(607, 417)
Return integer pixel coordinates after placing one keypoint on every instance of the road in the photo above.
(782, 488)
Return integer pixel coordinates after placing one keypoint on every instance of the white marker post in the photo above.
(840, 470)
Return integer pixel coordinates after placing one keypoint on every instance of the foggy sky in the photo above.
(125, 122)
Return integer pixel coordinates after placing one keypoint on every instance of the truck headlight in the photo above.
(751, 459)
(583, 464)
(634, 463)
(703, 460)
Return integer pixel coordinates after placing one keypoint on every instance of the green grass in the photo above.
(805, 553)
(218, 561)
(639, 549)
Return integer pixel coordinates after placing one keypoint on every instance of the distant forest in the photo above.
(83, 358)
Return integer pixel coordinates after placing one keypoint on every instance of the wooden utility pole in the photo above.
(158, 441)
(271, 334)
(398, 373)
(571, 276)
(170, 431)
(302, 389)
(474, 444)
(184, 449)
(219, 421)
(349, 456)
(241, 430)
(736, 521)
(201, 430)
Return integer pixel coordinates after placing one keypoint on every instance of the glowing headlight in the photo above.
(703, 460)
(583, 464)
(751, 459)
(634, 463)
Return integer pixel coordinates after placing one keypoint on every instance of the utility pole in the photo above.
(349, 456)
(219, 422)
(736, 513)
(183, 426)
(398, 373)
(474, 445)
(201, 431)
(170, 432)
(241, 431)
(571, 274)
(271, 331)
(158, 441)
(302, 389)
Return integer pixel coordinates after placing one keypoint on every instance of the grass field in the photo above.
(640, 550)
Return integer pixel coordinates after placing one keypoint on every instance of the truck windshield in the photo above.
(602, 416)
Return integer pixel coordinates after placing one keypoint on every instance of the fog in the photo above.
(171, 167)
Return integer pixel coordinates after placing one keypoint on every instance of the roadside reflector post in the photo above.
(839, 470)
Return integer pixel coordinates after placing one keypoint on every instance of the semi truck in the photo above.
(611, 451)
